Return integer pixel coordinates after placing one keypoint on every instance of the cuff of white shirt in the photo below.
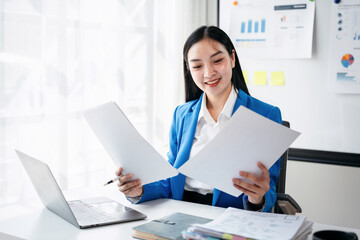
(133, 199)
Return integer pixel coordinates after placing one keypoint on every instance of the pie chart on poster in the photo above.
(347, 60)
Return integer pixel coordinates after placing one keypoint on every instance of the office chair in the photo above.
(285, 204)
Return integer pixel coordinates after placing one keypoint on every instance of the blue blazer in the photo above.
(182, 134)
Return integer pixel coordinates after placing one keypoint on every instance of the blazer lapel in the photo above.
(188, 134)
(187, 138)
(240, 100)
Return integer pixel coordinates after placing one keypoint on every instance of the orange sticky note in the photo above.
(260, 78)
(277, 79)
(245, 76)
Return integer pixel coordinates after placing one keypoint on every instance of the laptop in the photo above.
(83, 213)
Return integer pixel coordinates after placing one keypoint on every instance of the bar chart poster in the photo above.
(269, 28)
(250, 28)
(345, 45)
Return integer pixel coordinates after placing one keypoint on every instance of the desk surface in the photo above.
(30, 220)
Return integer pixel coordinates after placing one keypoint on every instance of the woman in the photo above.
(214, 88)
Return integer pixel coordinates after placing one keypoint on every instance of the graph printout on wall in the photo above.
(274, 29)
(345, 47)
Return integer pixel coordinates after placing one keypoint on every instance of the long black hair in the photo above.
(191, 90)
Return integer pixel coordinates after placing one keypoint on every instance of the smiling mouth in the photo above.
(213, 82)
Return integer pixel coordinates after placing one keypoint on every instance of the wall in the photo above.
(328, 121)
(326, 193)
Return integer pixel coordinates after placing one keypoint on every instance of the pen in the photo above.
(113, 180)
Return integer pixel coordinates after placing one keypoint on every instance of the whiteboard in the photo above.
(328, 121)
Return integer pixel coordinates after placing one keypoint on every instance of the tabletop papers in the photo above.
(239, 223)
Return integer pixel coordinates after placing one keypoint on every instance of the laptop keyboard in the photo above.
(87, 214)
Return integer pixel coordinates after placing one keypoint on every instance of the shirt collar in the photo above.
(226, 111)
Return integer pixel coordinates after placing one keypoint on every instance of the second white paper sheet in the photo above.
(246, 139)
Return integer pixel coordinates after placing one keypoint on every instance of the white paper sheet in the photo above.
(258, 225)
(246, 139)
(126, 146)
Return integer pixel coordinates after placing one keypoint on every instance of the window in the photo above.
(58, 58)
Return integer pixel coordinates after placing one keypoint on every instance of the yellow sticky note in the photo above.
(245, 76)
(260, 78)
(227, 236)
(277, 79)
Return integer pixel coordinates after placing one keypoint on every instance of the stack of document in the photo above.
(238, 224)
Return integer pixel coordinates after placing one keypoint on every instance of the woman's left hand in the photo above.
(257, 188)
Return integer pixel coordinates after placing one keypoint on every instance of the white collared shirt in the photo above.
(206, 130)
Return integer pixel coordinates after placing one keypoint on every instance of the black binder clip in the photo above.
(164, 221)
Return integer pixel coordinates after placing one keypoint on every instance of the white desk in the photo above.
(32, 221)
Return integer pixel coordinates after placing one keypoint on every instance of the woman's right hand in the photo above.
(128, 187)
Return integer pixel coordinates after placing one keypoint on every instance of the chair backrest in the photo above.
(285, 204)
(280, 186)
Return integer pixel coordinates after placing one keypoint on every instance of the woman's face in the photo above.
(211, 67)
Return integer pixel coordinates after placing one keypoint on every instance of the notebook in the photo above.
(83, 213)
(167, 228)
